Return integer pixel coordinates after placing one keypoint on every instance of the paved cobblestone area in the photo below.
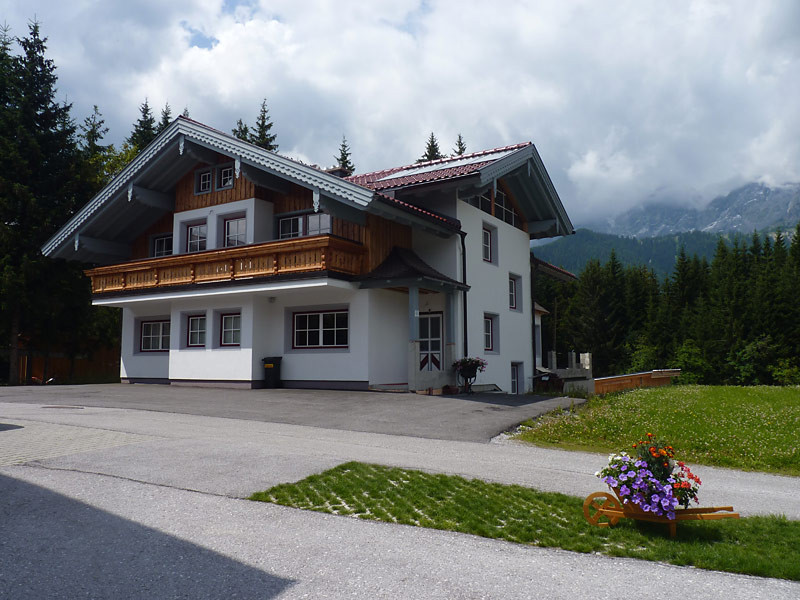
(35, 440)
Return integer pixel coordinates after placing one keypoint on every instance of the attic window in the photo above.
(202, 181)
(224, 177)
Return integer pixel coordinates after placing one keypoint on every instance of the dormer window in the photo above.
(224, 177)
(202, 182)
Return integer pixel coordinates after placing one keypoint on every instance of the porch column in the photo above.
(449, 334)
(413, 335)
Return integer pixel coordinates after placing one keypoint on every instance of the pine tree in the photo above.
(241, 131)
(432, 151)
(38, 181)
(185, 112)
(144, 130)
(461, 147)
(343, 160)
(166, 118)
(260, 135)
(95, 155)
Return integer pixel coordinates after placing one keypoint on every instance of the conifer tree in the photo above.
(38, 180)
(185, 112)
(260, 134)
(166, 118)
(343, 160)
(241, 131)
(432, 151)
(95, 154)
(461, 147)
(144, 130)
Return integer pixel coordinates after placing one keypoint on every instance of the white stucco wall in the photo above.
(258, 215)
(212, 362)
(135, 364)
(388, 337)
(272, 335)
(489, 294)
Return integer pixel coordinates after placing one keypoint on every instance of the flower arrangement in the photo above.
(651, 478)
(469, 367)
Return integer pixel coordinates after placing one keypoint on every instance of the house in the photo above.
(220, 254)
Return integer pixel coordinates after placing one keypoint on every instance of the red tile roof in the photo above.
(433, 170)
(554, 270)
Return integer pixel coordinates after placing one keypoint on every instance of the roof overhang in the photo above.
(525, 174)
(137, 196)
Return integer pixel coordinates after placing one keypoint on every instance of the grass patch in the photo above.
(750, 428)
(765, 546)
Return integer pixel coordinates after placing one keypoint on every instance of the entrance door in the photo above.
(430, 342)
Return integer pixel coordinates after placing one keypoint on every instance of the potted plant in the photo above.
(467, 368)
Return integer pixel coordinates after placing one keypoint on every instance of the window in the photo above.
(196, 331)
(481, 201)
(202, 182)
(290, 227)
(515, 372)
(320, 329)
(155, 336)
(196, 237)
(503, 209)
(512, 293)
(318, 224)
(235, 232)
(230, 329)
(162, 245)
(224, 178)
(487, 244)
(488, 333)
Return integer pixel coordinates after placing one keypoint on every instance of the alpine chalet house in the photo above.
(220, 253)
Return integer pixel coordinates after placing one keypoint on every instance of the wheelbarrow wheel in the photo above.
(595, 507)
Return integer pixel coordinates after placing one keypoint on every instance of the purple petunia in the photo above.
(624, 490)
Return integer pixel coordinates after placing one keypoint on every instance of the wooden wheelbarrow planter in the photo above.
(604, 510)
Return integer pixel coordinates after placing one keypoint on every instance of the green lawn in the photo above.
(765, 546)
(751, 428)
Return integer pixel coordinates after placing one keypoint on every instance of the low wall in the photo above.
(617, 383)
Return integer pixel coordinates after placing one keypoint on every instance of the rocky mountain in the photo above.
(754, 206)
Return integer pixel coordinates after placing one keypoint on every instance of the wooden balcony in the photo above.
(318, 253)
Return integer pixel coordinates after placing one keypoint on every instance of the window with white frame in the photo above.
(230, 329)
(488, 333)
(318, 223)
(154, 336)
(320, 329)
(482, 201)
(290, 227)
(235, 232)
(196, 236)
(196, 331)
(224, 177)
(487, 244)
(512, 292)
(202, 181)
(162, 245)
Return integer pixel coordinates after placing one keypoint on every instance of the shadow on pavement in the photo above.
(9, 426)
(502, 399)
(54, 547)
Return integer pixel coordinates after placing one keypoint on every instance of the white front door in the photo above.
(430, 342)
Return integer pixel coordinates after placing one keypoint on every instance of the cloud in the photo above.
(623, 99)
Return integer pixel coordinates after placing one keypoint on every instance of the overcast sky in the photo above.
(626, 101)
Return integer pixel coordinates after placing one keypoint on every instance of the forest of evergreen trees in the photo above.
(734, 320)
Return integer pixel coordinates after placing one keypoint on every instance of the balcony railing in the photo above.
(318, 253)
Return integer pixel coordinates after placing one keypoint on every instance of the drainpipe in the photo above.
(463, 235)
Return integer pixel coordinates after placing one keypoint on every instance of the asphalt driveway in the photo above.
(471, 418)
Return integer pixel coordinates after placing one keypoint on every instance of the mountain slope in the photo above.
(754, 206)
(658, 253)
